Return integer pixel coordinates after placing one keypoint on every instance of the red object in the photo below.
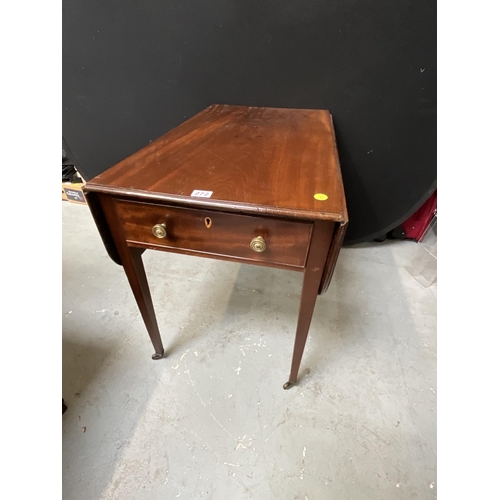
(416, 225)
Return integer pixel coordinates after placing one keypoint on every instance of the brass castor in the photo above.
(287, 385)
(157, 355)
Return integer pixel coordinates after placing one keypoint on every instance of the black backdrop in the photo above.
(132, 70)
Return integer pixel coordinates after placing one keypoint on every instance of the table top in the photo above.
(249, 159)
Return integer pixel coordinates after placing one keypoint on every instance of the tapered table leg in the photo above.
(318, 251)
(133, 266)
(134, 269)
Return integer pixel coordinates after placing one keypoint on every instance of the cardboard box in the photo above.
(73, 192)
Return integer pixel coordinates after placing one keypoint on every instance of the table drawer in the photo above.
(204, 231)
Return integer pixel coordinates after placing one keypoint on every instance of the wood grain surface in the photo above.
(287, 242)
(254, 160)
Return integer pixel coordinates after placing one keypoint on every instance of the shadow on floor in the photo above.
(234, 305)
(81, 363)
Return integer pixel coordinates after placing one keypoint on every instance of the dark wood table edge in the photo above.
(213, 204)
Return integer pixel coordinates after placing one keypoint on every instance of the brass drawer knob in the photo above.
(160, 230)
(258, 244)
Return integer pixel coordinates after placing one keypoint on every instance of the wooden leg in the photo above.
(131, 261)
(134, 269)
(318, 251)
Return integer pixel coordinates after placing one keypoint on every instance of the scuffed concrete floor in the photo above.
(211, 420)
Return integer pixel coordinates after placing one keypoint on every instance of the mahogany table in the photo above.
(247, 184)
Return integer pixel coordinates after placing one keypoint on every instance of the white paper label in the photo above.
(202, 194)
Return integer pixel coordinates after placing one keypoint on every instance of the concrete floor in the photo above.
(211, 420)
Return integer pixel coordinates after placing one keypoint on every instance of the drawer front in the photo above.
(220, 234)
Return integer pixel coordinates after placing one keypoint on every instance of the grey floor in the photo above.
(211, 420)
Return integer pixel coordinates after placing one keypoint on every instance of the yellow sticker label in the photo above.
(320, 197)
